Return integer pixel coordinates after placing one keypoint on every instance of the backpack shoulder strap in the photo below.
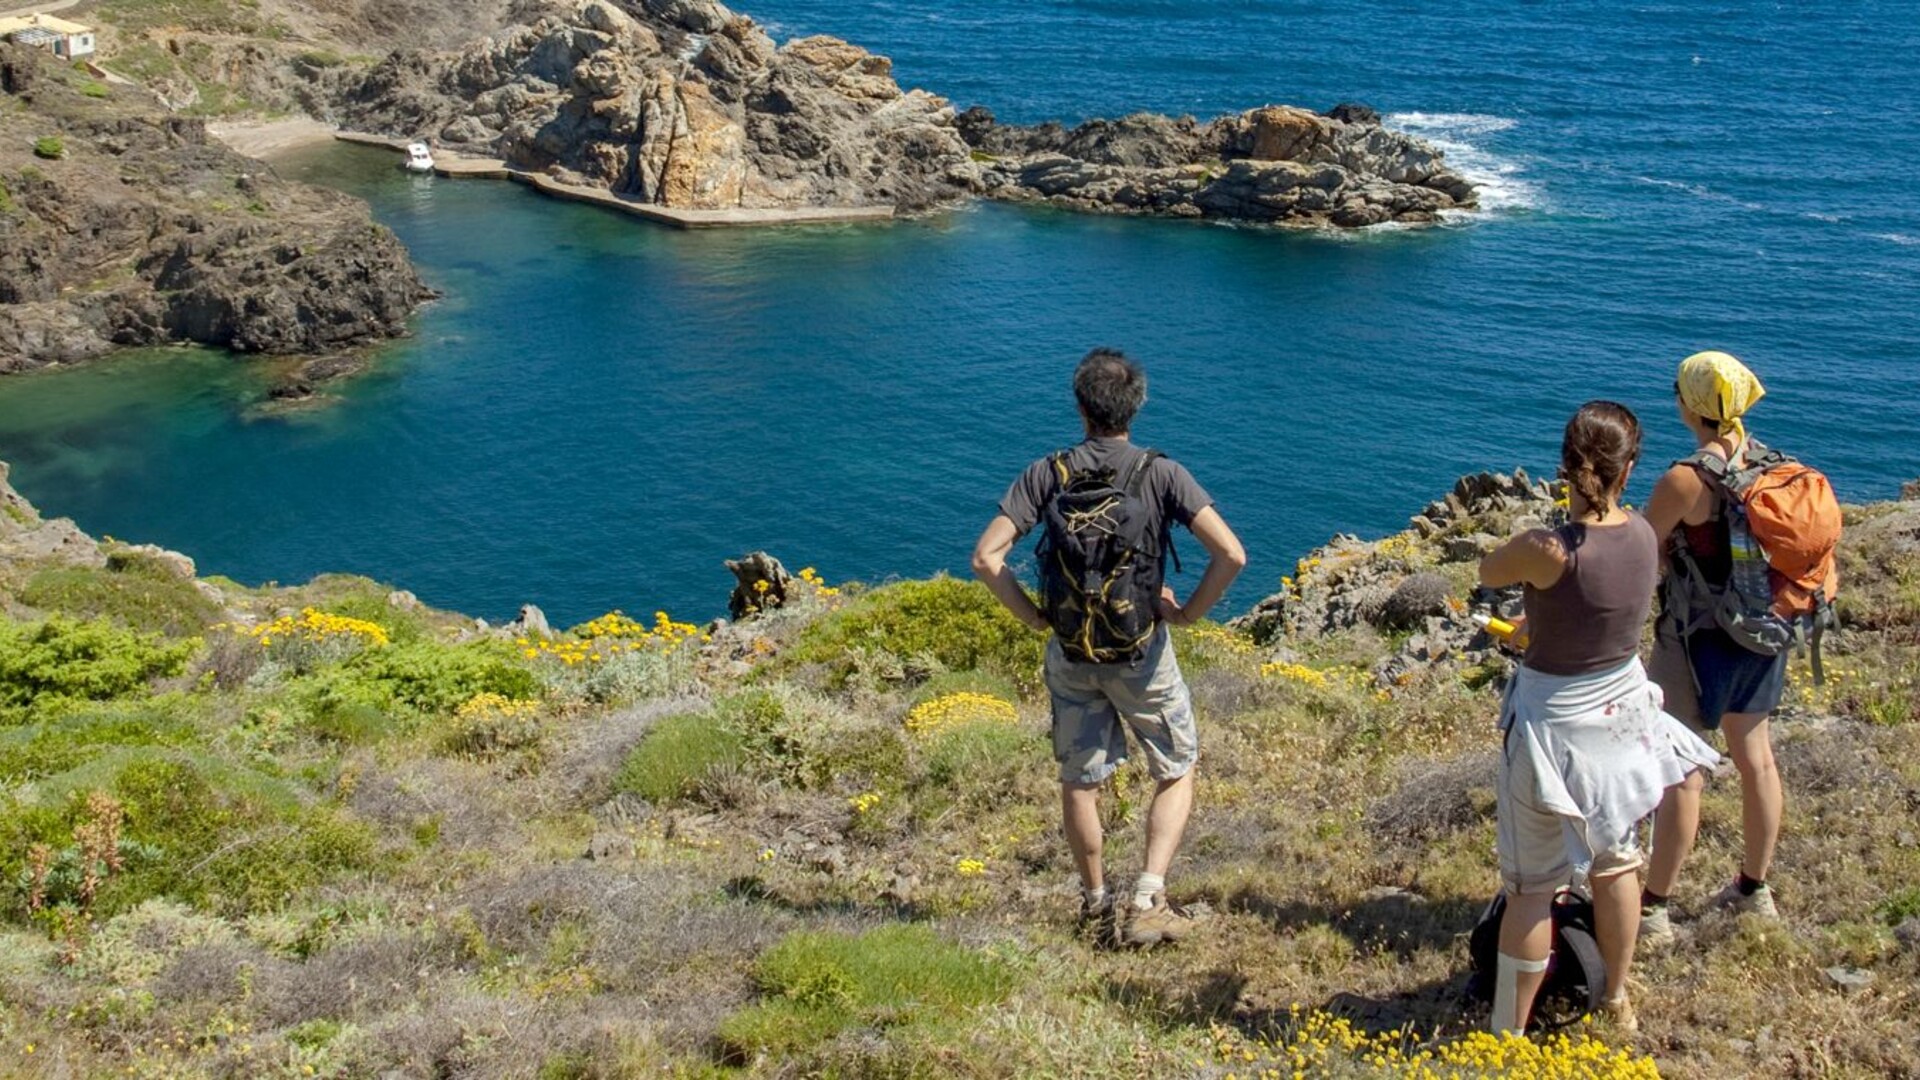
(1060, 470)
(1137, 479)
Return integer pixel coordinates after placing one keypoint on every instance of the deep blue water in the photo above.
(601, 411)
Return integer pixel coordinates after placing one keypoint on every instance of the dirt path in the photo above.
(39, 9)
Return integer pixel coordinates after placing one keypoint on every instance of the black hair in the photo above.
(1601, 443)
(1110, 389)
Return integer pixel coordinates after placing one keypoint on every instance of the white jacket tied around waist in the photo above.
(1603, 749)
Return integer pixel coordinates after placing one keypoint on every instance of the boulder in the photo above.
(1280, 133)
(1350, 113)
(1414, 600)
(761, 583)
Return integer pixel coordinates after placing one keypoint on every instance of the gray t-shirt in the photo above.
(1169, 491)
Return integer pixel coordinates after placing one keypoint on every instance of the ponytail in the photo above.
(1601, 443)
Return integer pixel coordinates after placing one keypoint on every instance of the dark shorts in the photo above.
(1731, 678)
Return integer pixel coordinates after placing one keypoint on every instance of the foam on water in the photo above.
(1462, 137)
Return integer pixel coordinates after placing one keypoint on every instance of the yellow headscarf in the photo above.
(1720, 388)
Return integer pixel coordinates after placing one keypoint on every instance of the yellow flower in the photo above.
(950, 709)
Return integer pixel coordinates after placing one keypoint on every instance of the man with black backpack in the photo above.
(1107, 507)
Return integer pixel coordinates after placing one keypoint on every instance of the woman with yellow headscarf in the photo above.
(1711, 681)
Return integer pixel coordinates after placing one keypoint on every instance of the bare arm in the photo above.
(990, 566)
(1225, 559)
(1534, 557)
(1676, 498)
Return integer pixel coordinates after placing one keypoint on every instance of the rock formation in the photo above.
(25, 536)
(120, 226)
(1411, 581)
(679, 103)
(683, 103)
(1271, 164)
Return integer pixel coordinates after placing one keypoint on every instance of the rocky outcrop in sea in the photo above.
(1271, 164)
(121, 225)
(686, 104)
(680, 103)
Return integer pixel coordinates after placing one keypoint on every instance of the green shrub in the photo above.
(984, 757)
(141, 596)
(89, 661)
(805, 741)
(816, 985)
(955, 625)
(403, 684)
(94, 89)
(69, 739)
(197, 830)
(49, 147)
(6, 207)
(1900, 906)
(677, 754)
(229, 838)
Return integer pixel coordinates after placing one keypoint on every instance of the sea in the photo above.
(600, 411)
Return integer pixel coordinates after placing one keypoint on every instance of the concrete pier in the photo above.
(463, 167)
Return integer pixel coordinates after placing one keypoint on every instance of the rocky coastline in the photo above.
(121, 225)
(686, 104)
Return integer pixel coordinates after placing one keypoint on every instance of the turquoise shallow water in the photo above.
(600, 411)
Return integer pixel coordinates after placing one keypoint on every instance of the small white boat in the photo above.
(419, 158)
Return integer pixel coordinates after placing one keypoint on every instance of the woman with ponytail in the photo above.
(1587, 750)
(1711, 681)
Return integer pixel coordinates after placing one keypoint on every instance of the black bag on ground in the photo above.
(1101, 562)
(1576, 975)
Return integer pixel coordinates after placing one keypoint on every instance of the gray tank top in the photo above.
(1591, 619)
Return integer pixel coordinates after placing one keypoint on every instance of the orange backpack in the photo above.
(1783, 525)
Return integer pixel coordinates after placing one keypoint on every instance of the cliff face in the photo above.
(681, 103)
(123, 226)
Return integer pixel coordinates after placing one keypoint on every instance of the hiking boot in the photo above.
(1163, 921)
(1656, 927)
(1759, 902)
(1098, 924)
(1619, 1012)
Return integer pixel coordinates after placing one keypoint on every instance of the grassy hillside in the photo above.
(323, 831)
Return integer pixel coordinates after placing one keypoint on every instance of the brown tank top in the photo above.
(1591, 619)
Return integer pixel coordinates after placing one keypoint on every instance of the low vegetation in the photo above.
(324, 831)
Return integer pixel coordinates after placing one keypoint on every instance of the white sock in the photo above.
(1095, 898)
(1145, 887)
(1506, 993)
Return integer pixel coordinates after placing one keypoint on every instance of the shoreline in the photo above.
(269, 139)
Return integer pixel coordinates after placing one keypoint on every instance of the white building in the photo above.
(67, 40)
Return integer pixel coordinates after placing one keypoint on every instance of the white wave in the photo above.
(1503, 186)
(1898, 238)
(1448, 123)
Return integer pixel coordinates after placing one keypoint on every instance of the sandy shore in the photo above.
(265, 138)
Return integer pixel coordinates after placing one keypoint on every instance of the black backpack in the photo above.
(1576, 975)
(1101, 562)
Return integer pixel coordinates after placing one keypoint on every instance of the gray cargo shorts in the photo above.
(1095, 704)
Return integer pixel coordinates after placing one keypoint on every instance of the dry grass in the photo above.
(525, 919)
